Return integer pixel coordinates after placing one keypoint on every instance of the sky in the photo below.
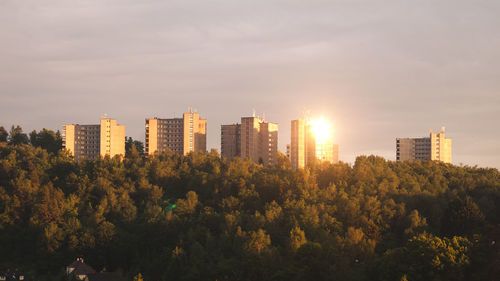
(376, 69)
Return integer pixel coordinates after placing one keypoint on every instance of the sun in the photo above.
(322, 130)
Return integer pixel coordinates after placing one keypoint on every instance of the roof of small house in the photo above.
(83, 269)
(76, 263)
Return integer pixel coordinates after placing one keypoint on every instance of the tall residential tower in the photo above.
(311, 141)
(180, 135)
(435, 147)
(92, 141)
(253, 138)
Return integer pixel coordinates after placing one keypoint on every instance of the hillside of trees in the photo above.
(200, 217)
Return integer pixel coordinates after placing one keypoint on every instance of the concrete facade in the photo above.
(268, 146)
(253, 138)
(112, 138)
(435, 147)
(93, 141)
(180, 135)
(298, 144)
(195, 133)
(440, 147)
(231, 141)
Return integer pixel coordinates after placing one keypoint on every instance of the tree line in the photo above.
(201, 217)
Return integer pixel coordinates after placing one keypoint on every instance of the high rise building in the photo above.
(298, 144)
(308, 144)
(435, 147)
(92, 141)
(231, 141)
(253, 138)
(180, 135)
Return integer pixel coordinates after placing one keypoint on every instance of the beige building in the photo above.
(92, 141)
(298, 144)
(253, 138)
(435, 147)
(180, 135)
(306, 147)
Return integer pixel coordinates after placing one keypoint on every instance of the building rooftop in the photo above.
(80, 268)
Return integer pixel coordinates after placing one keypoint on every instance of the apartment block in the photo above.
(180, 135)
(93, 141)
(231, 141)
(268, 146)
(306, 147)
(435, 147)
(298, 144)
(253, 138)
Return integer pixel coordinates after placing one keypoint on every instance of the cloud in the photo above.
(379, 69)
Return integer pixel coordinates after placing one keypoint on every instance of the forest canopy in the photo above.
(200, 217)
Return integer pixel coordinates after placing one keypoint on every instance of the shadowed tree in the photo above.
(47, 139)
(462, 217)
(131, 144)
(17, 136)
(4, 135)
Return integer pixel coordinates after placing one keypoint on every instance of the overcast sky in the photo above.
(377, 69)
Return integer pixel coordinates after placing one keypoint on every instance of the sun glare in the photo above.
(322, 130)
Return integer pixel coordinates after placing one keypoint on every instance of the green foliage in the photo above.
(427, 257)
(47, 139)
(4, 135)
(200, 217)
(133, 148)
(17, 137)
(462, 216)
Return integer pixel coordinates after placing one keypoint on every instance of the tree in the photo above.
(427, 257)
(415, 222)
(261, 161)
(192, 200)
(17, 136)
(138, 277)
(462, 217)
(200, 217)
(4, 135)
(283, 161)
(297, 238)
(131, 145)
(257, 241)
(47, 139)
(310, 263)
(188, 205)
